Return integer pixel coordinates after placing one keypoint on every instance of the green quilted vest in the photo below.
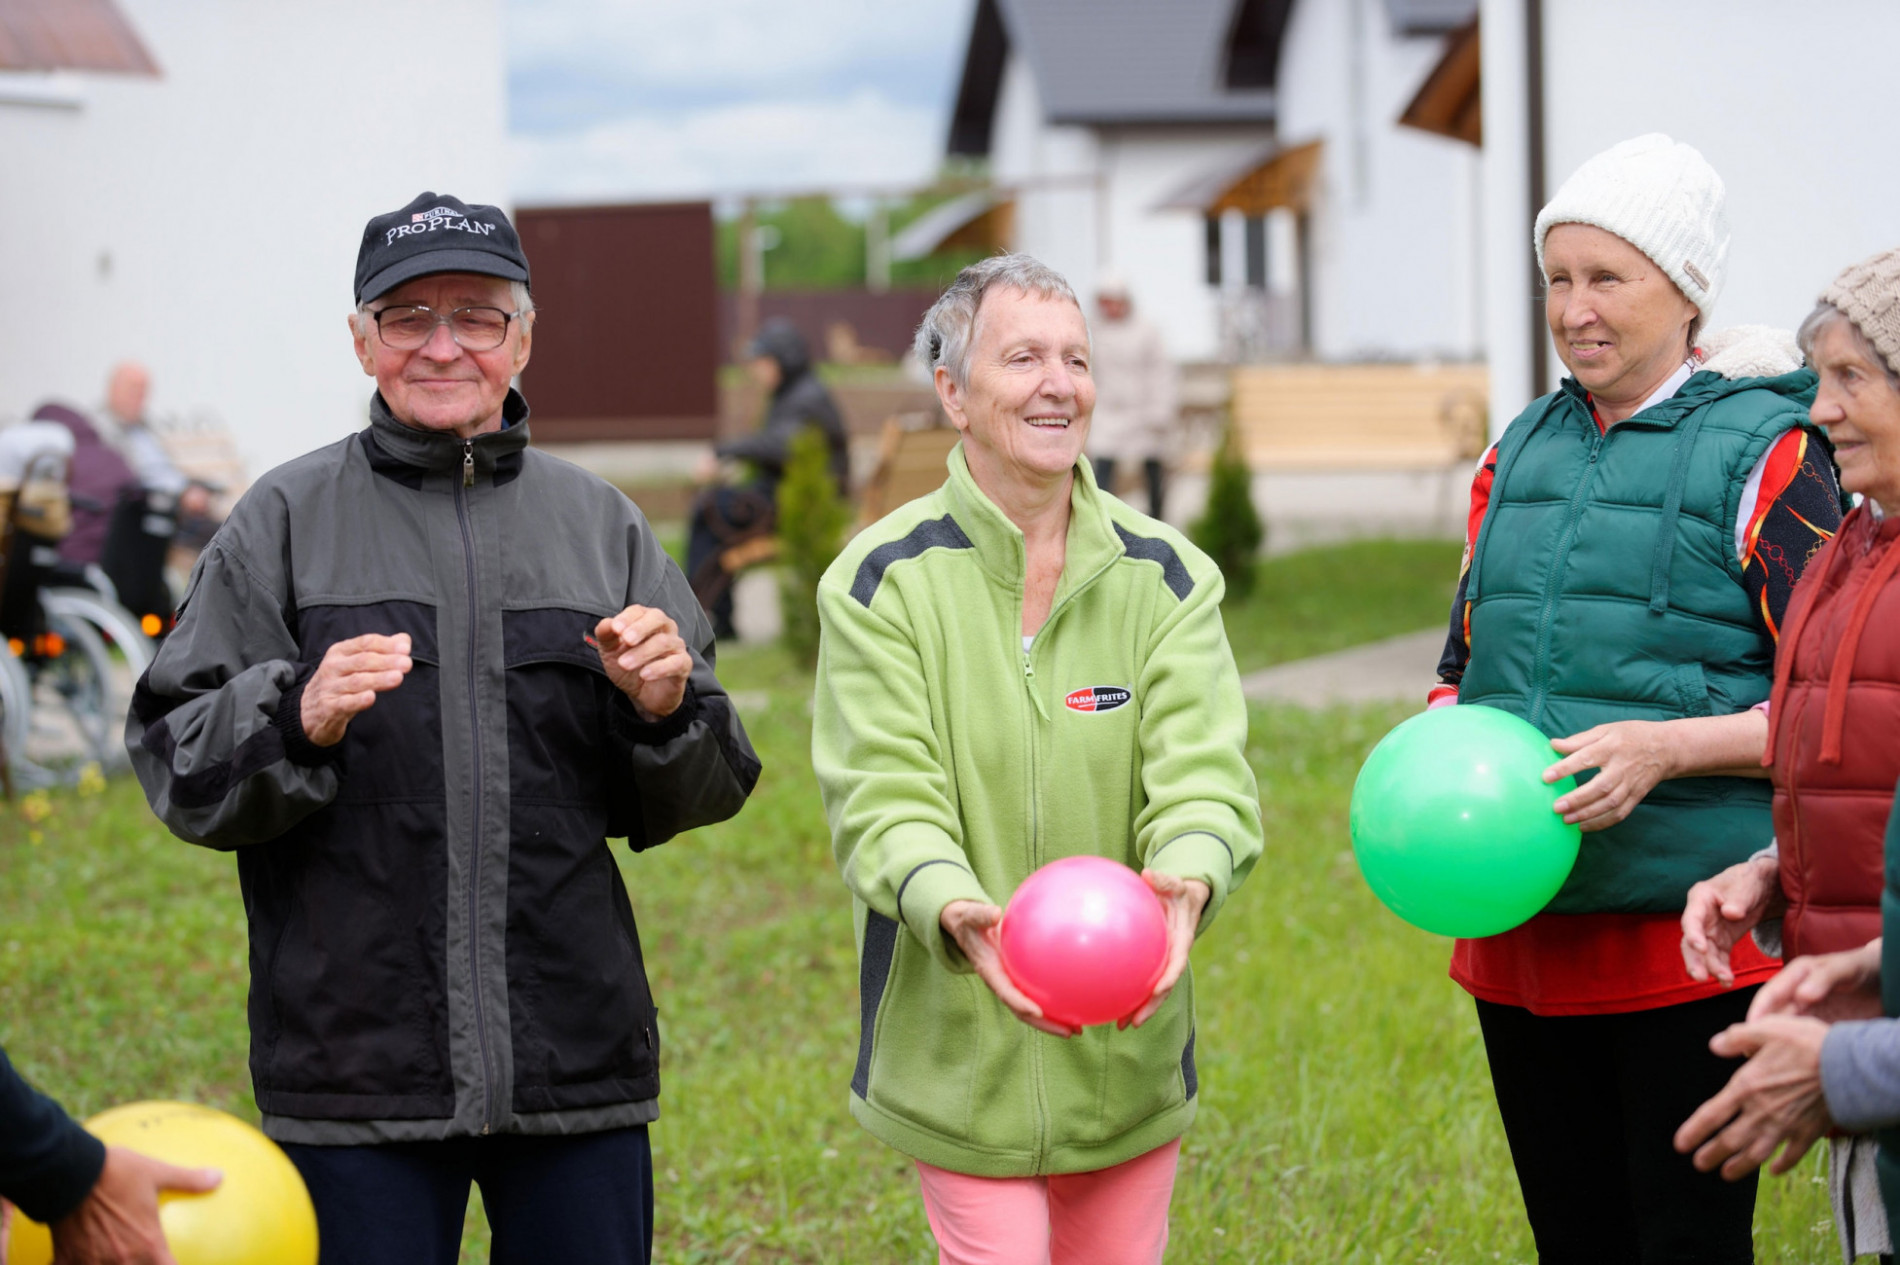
(1604, 586)
(1887, 1156)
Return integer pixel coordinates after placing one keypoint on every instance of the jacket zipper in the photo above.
(1035, 860)
(475, 737)
(1035, 819)
(1540, 663)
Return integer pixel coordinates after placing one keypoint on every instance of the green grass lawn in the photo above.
(1321, 600)
(1346, 1114)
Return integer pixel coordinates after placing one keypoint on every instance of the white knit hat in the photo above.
(1660, 196)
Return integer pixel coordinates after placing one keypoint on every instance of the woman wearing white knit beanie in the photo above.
(1634, 539)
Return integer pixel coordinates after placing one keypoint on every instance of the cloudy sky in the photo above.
(641, 99)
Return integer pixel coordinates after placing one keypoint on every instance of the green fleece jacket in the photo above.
(953, 763)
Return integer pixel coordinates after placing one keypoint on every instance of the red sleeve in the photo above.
(1451, 665)
(1797, 510)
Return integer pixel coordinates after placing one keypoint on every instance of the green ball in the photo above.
(1452, 822)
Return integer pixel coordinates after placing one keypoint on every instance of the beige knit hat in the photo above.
(1868, 294)
(1660, 196)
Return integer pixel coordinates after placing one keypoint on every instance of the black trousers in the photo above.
(1591, 1104)
(723, 517)
(585, 1199)
(1150, 469)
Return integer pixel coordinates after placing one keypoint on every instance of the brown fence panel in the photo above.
(626, 345)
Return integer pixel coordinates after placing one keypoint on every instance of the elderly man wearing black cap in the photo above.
(418, 679)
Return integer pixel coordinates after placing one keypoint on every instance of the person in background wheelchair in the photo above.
(127, 508)
(35, 517)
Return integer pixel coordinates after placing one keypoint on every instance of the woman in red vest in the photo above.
(1834, 737)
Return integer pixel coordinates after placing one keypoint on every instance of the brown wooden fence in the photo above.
(626, 343)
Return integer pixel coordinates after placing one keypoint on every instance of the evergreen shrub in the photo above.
(811, 522)
(1230, 531)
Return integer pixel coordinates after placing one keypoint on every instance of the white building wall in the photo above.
(1394, 224)
(1088, 202)
(1786, 103)
(1162, 255)
(1056, 213)
(206, 222)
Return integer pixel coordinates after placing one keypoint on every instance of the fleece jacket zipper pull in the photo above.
(468, 463)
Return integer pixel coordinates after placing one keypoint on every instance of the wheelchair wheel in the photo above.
(16, 722)
(118, 626)
(80, 698)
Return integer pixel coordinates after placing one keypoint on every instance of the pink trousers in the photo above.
(1113, 1216)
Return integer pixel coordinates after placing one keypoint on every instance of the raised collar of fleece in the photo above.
(1749, 351)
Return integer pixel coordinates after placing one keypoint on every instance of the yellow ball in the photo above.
(260, 1215)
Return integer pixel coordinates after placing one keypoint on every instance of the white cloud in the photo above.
(746, 44)
(760, 146)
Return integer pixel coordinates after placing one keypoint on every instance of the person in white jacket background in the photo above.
(1135, 395)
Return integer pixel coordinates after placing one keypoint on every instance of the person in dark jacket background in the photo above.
(101, 1202)
(729, 515)
(419, 679)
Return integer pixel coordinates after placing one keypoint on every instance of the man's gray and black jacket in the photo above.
(440, 941)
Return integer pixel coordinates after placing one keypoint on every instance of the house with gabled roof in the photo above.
(1239, 163)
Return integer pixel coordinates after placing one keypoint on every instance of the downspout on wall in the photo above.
(1534, 175)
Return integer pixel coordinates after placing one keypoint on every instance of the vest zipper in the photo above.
(1540, 661)
(475, 737)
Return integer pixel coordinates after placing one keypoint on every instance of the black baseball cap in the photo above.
(437, 233)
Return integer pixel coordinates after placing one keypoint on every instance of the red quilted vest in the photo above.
(1834, 737)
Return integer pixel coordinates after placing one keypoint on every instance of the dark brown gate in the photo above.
(626, 340)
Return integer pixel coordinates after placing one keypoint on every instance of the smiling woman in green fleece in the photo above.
(1015, 669)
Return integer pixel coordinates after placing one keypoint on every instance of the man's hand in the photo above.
(346, 683)
(646, 658)
(976, 929)
(1827, 986)
(117, 1224)
(1774, 1098)
(1630, 757)
(1723, 909)
(1182, 900)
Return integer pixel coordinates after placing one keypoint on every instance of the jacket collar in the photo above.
(438, 452)
(1091, 546)
(1702, 387)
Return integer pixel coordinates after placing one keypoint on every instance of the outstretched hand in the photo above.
(1723, 909)
(117, 1223)
(1630, 757)
(1775, 1098)
(643, 654)
(1828, 986)
(977, 929)
(1182, 900)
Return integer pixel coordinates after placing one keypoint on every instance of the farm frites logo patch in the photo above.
(1097, 698)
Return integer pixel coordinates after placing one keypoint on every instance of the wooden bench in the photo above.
(912, 450)
(1364, 416)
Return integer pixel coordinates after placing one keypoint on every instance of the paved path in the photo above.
(1398, 669)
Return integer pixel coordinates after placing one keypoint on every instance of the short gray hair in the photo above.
(518, 294)
(949, 327)
(1824, 315)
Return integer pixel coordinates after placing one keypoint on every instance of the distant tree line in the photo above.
(820, 248)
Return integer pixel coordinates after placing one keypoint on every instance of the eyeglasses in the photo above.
(407, 326)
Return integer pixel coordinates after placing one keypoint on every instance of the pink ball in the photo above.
(1085, 938)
